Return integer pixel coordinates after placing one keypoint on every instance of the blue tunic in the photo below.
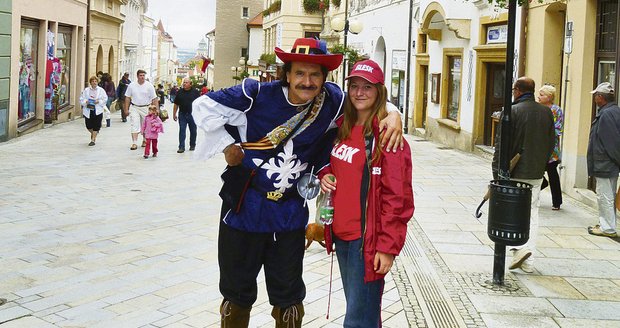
(266, 107)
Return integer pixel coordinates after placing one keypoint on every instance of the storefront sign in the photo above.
(497, 34)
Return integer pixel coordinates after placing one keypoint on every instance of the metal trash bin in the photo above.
(509, 212)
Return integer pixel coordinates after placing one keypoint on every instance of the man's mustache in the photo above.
(302, 87)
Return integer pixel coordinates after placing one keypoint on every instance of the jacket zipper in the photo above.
(365, 216)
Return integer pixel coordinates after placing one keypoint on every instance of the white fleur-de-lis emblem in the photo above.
(285, 166)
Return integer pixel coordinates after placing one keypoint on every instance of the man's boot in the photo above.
(234, 316)
(289, 317)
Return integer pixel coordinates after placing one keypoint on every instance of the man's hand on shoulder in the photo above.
(393, 134)
(233, 154)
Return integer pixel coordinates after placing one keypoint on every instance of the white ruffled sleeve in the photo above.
(210, 117)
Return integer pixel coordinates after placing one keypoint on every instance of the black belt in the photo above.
(140, 105)
(275, 195)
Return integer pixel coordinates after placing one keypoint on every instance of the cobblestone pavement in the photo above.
(100, 237)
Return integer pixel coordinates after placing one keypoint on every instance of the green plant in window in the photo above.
(270, 59)
(274, 7)
(315, 6)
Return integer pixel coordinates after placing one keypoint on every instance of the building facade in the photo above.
(166, 57)
(460, 56)
(132, 53)
(383, 38)
(149, 55)
(6, 8)
(105, 36)
(47, 63)
(231, 44)
(574, 46)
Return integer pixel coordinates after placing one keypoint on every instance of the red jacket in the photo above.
(389, 204)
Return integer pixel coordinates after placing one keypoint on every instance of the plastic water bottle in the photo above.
(327, 208)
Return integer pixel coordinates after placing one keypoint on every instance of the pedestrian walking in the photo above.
(173, 93)
(110, 90)
(546, 96)
(120, 95)
(151, 128)
(371, 211)
(182, 110)
(604, 158)
(253, 124)
(161, 94)
(93, 100)
(533, 136)
(138, 97)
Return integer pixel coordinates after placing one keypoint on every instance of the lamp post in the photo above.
(354, 26)
(235, 70)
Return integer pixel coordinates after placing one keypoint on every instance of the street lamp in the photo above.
(236, 70)
(354, 26)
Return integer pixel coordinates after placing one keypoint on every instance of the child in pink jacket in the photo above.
(151, 128)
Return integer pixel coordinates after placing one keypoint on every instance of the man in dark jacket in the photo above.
(604, 158)
(533, 136)
(120, 94)
(182, 110)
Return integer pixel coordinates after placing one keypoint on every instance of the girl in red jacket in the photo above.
(376, 199)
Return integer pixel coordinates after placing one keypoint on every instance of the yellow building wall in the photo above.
(546, 63)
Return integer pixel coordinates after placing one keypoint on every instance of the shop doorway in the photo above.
(27, 98)
(494, 100)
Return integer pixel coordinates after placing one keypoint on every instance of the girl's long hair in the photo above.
(350, 117)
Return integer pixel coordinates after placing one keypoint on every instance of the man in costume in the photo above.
(247, 122)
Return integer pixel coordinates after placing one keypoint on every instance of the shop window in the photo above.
(29, 39)
(454, 87)
(607, 23)
(63, 53)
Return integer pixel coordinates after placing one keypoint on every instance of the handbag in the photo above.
(618, 199)
(163, 115)
(238, 179)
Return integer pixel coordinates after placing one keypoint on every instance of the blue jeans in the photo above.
(363, 299)
(186, 119)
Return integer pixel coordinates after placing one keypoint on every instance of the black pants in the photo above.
(554, 183)
(241, 255)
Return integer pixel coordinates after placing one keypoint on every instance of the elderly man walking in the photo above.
(139, 95)
(604, 158)
(533, 136)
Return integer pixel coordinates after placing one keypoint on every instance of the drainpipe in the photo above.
(409, 46)
(87, 45)
(523, 39)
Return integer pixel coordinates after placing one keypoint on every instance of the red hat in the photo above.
(312, 51)
(369, 71)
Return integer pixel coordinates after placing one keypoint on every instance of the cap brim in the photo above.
(331, 61)
(367, 78)
(593, 91)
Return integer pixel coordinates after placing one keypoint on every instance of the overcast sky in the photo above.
(186, 20)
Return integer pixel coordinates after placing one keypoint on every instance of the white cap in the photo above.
(604, 87)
